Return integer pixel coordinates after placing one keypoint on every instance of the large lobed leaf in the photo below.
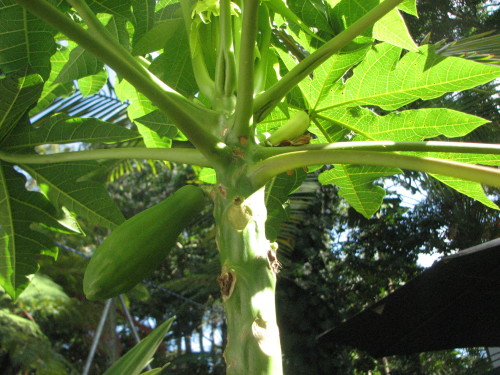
(51, 90)
(387, 80)
(60, 129)
(18, 92)
(66, 185)
(25, 40)
(21, 246)
(355, 185)
(411, 125)
(471, 189)
(337, 15)
(81, 64)
(115, 7)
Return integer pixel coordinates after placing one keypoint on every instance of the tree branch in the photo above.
(175, 155)
(181, 111)
(265, 102)
(265, 170)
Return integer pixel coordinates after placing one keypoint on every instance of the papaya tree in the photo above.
(254, 94)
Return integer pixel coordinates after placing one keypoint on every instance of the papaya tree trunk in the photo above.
(247, 282)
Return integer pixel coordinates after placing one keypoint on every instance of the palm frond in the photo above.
(482, 47)
(300, 201)
(104, 106)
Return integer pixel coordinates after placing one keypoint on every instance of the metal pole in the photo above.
(129, 319)
(97, 336)
(131, 323)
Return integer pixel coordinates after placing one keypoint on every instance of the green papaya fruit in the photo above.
(139, 245)
(293, 128)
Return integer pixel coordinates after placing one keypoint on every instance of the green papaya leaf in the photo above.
(158, 122)
(468, 188)
(116, 7)
(208, 176)
(411, 125)
(140, 355)
(152, 139)
(317, 88)
(312, 12)
(93, 83)
(386, 80)
(18, 92)
(26, 40)
(61, 128)
(392, 29)
(64, 186)
(118, 27)
(139, 105)
(279, 6)
(51, 90)
(158, 36)
(21, 246)
(174, 66)
(409, 6)
(81, 64)
(355, 185)
(144, 16)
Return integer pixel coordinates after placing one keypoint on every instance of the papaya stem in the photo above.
(247, 283)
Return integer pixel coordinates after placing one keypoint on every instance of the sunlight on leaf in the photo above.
(355, 184)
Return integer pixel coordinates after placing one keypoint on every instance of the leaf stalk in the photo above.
(264, 171)
(244, 101)
(175, 155)
(386, 146)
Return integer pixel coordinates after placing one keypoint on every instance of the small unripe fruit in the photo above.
(294, 127)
